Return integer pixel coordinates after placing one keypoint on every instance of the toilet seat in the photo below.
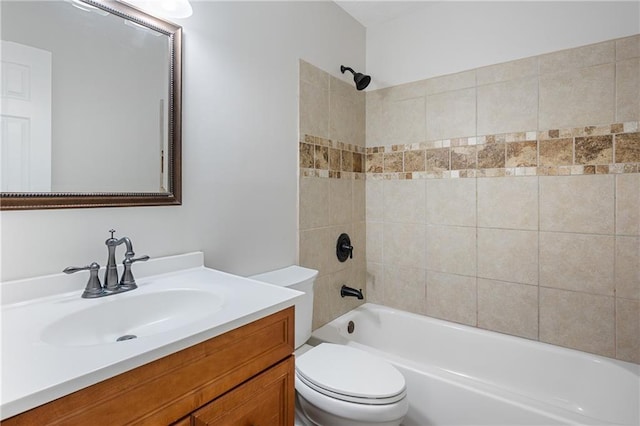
(349, 374)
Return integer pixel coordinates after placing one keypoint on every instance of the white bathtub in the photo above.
(459, 375)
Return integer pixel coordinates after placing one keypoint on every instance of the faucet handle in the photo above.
(127, 282)
(93, 288)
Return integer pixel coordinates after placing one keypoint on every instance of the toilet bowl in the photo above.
(337, 384)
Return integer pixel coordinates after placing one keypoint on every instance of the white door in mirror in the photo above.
(25, 138)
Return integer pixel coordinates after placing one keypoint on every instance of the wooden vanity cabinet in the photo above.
(242, 377)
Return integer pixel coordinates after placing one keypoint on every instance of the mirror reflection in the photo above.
(85, 101)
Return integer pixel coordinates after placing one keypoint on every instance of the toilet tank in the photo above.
(301, 279)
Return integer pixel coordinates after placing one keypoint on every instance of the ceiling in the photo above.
(370, 13)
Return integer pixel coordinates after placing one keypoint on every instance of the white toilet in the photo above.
(337, 385)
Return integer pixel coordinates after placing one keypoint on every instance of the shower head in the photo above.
(361, 80)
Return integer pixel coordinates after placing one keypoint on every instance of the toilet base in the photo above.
(310, 415)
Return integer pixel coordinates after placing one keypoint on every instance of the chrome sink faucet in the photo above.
(111, 285)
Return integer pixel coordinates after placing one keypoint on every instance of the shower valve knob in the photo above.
(344, 249)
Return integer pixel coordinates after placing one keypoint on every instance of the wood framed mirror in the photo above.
(91, 106)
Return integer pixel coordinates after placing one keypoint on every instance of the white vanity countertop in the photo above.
(35, 372)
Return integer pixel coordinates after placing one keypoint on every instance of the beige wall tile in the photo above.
(361, 118)
(327, 303)
(447, 83)
(578, 97)
(344, 120)
(410, 90)
(628, 204)
(508, 308)
(374, 292)
(628, 47)
(406, 121)
(405, 288)
(359, 200)
(579, 57)
(577, 262)
(321, 307)
(452, 297)
(340, 201)
(627, 267)
(628, 330)
(314, 110)
(577, 204)
(404, 244)
(313, 250)
(451, 202)
(358, 278)
(339, 87)
(374, 241)
(404, 200)
(577, 320)
(508, 255)
(314, 202)
(507, 71)
(377, 132)
(510, 106)
(508, 203)
(451, 114)
(314, 75)
(628, 90)
(374, 199)
(451, 249)
(359, 243)
(395, 115)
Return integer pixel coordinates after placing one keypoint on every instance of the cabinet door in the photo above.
(266, 400)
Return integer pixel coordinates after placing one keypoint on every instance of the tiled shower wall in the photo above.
(332, 187)
(508, 198)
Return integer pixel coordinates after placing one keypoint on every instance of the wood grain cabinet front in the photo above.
(245, 374)
(266, 400)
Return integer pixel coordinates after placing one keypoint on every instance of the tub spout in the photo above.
(352, 292)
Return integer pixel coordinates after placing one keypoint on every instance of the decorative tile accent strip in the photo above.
(610, 149)
(321, 157)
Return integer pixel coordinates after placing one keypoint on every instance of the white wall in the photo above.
(448, 37)
(240, 111)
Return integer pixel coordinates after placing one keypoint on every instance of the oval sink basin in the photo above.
(132, 317)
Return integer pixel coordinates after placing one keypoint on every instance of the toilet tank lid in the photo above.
(288, 276)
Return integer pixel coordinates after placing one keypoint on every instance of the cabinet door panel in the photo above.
(266, 400)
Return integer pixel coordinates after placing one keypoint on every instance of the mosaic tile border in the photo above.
(321, 157)
(610, 149)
